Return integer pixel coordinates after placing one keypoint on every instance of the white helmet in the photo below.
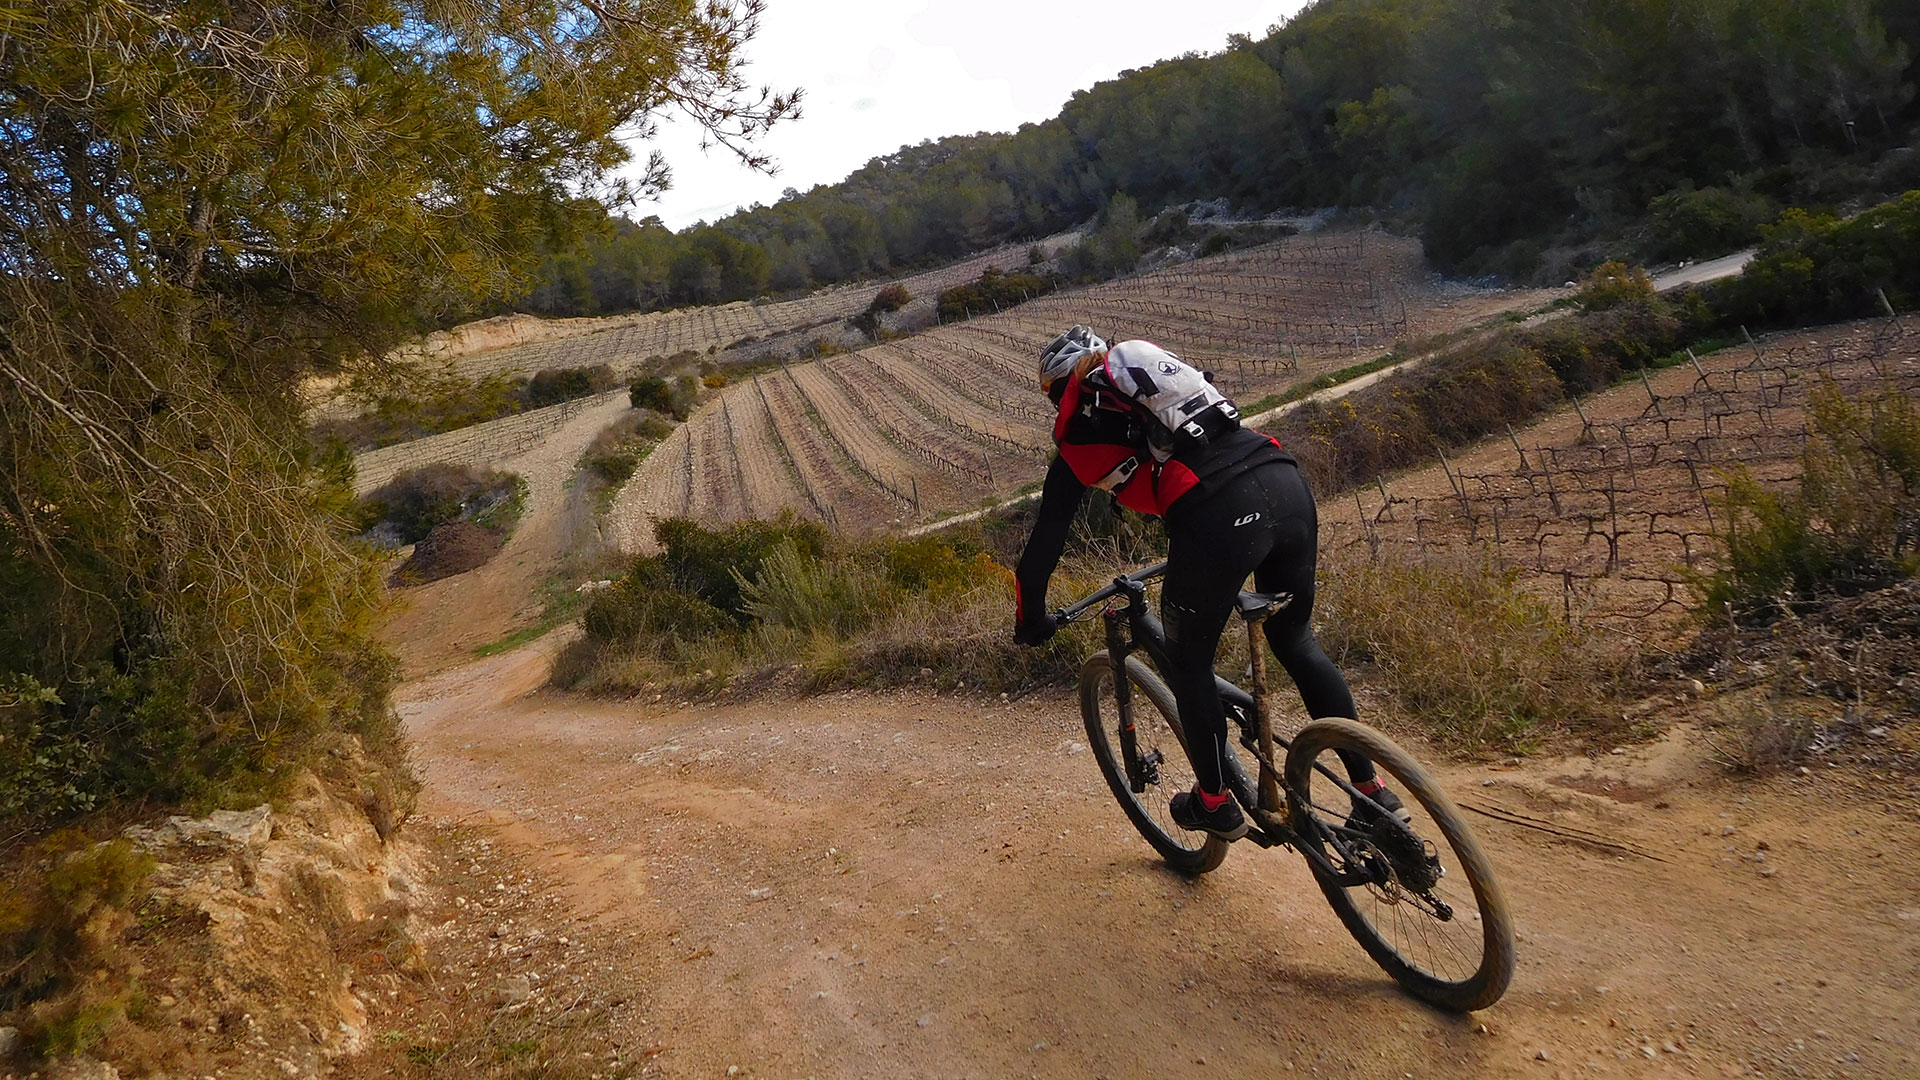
(1065, 351)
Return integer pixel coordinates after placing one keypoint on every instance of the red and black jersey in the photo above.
(1103, 441)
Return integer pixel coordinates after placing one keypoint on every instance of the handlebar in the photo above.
(1077, 611)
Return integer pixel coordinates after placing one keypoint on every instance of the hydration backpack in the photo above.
(1188, 408)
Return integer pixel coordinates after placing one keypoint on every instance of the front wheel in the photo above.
(1421, 897)
(1160, 766)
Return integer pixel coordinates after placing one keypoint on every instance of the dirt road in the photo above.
(909, 885)
(442, 622)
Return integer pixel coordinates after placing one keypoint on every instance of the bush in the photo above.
(1477, 661)
(1853, 527)
(1612, 284)
(1689, 224)
(1817, 268)
(890, 299)
(416, 501)
(673, 398)
(994, 291)
(878, 611)
(555, 385)
(56, 920)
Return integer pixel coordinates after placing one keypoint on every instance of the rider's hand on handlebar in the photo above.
(1036, 631)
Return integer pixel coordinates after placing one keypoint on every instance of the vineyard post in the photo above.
(1702, 372)
(1705, 503)
(1885, 304)
(1515, 439)
(1652, 397)
(915, 481)
(1586, 430)
(1386, 502)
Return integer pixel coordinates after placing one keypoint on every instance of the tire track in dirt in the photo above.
(884, 885)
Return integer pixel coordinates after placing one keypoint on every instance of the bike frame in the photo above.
(1131, 626)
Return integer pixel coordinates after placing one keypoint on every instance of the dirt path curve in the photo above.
(440, 623)
(905, 885)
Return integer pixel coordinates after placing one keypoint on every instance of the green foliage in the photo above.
(404, 403)
(555, 385)
(1852, 527)
(56, 915)
(1817, 268)
(673, 398)
(415, 501)
(995, 291)
(1478, 661)
(1702, 223)
(848, 612)
(1612, 284)
(1112, 248)
(1459, 396)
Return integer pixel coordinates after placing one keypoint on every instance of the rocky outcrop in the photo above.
(256, 924)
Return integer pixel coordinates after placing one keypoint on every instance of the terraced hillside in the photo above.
(915, 429)
(624, 341)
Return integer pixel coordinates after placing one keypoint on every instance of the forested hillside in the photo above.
(1505, 131)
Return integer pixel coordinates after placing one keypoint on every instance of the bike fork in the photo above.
(1117, 648)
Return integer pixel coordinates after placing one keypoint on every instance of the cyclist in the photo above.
(1234, 503)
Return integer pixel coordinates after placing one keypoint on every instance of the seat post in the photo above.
(1263, 708)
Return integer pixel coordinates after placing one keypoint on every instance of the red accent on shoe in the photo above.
(1371, 787)
(1211, 802)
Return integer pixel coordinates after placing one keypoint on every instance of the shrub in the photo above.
(890, 299)
(673, 398)
(1689, 224)
(715, 381)
(1853, 526)
(848, 612)
(55, 920)
(993, 291)
(1612, 284)
(1477, 661)
(1817, 268)
(554, 385)
(416, 501)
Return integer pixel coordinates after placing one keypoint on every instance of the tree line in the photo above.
(1510, 134)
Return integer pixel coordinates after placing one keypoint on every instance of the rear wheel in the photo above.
(1161, 768)
(1429, 911)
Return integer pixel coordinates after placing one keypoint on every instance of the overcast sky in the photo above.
(880, 75)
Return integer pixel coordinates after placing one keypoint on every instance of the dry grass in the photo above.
(1476, 661)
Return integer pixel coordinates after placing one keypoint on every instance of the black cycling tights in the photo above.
(1262, 523)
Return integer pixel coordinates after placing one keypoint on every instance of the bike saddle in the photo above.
(1257, 605)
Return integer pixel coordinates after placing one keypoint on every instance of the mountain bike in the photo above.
(1419, 896)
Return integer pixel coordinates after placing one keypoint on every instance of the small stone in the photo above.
(733, 1070)
(1763, 846)
(754, 896)
(9, 1041)
(926, 673)
(1541, 1055)
(1618, 751)
(1804, 771)
(513, 990)
(1670, 1047)
(500, 931)
(1650, 1051)
(1039, 1046)
(924, 1021)
(1486, 783)
(1696, 688)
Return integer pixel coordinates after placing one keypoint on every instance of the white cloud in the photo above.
(882, 75)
